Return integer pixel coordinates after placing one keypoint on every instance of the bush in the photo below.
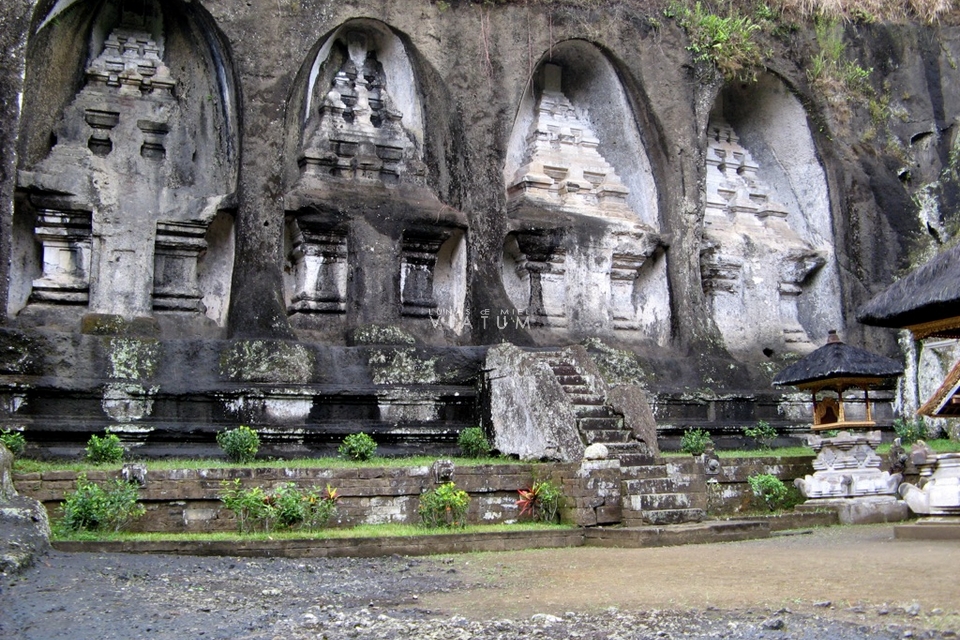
(358, 446)
(285, 507)
(445, 506)
(762, 433)
(14, 441)
(541, 501)
(695, 441)
(473, 444)
(240, 444)
(770, 489)
(92, 508)
(105, 450)
(909, 431)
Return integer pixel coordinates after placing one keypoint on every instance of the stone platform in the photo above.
(929, 529)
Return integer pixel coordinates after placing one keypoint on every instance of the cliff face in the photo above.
(200, 177)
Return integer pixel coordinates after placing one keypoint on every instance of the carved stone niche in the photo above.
(177, 250)
(540, 265)
(318, 256)
(419, 251)
(355, 130)
(65, 236)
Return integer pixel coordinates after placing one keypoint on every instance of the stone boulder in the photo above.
(24, 528)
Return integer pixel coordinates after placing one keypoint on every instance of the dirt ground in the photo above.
(845, 583)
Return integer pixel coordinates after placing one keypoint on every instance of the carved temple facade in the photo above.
(172, 194)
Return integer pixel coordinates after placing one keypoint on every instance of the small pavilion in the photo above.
(927, 302)
(847, 470)
(831, 371)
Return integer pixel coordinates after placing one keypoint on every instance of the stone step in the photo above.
(570, 380)
(586, 398)
(668, 516)
(605, 436)
(606, 423)
(562, 368)
(648, 486)
(640, 472)
(593, 411)
(630, 461)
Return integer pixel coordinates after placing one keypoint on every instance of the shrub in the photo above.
(285, 507)
(473, 444)
(240, 444)
(762, 433)
(770, 489)
(541, 501)
(358, 446)
(105, 450)
(14, 441)
(909, 431)
(445, 506)
(91, 507)
(728, 42)
(695, 441)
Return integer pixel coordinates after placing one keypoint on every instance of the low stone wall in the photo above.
(728, 492)
(188, 499)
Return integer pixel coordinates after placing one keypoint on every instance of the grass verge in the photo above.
(360, 531)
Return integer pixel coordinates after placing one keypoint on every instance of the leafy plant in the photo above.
(472, 442)
(105, 450)
(724, 41)
(770, 489)
(91, 507)
(358, 446)
(909, 431)
(762, 432)
(695, 441)
(14, 441)
(284, 507)
(444, 506)
(240, 444)
(541, 501)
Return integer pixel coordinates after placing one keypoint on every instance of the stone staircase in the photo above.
(649, 494)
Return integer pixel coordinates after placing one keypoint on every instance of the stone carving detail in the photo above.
(543, 266)
(937, 493)
(65, 236)
(356, 130)
(753, 264)
(319, 258)
(418, 261)
(177, 251)
(563, 172)
(132, 195)
(847, 466)
(563, 165)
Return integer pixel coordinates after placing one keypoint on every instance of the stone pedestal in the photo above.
(937, 493)
(848, 479)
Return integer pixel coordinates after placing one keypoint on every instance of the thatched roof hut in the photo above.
(838, 363)
(927, 301)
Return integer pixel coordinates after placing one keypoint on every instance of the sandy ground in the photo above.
(847, 583)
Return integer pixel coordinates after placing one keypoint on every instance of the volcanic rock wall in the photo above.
(312, 216)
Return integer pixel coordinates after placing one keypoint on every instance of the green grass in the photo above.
(940, 446)
(24, 465)
(360, 531)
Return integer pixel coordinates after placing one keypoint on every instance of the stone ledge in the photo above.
(928, 530)
(797, 520)
(433, 544)
(678, 534)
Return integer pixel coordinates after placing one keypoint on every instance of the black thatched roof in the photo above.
(927, 294)
(838, 360)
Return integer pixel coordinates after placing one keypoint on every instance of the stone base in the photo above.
(865, 510)
(947, 528)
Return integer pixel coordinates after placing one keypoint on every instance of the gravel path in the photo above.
(575, 593)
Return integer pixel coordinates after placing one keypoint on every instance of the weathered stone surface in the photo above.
(24, 527)
(191, 171)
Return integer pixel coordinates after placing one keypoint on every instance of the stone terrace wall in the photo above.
(186, 499)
